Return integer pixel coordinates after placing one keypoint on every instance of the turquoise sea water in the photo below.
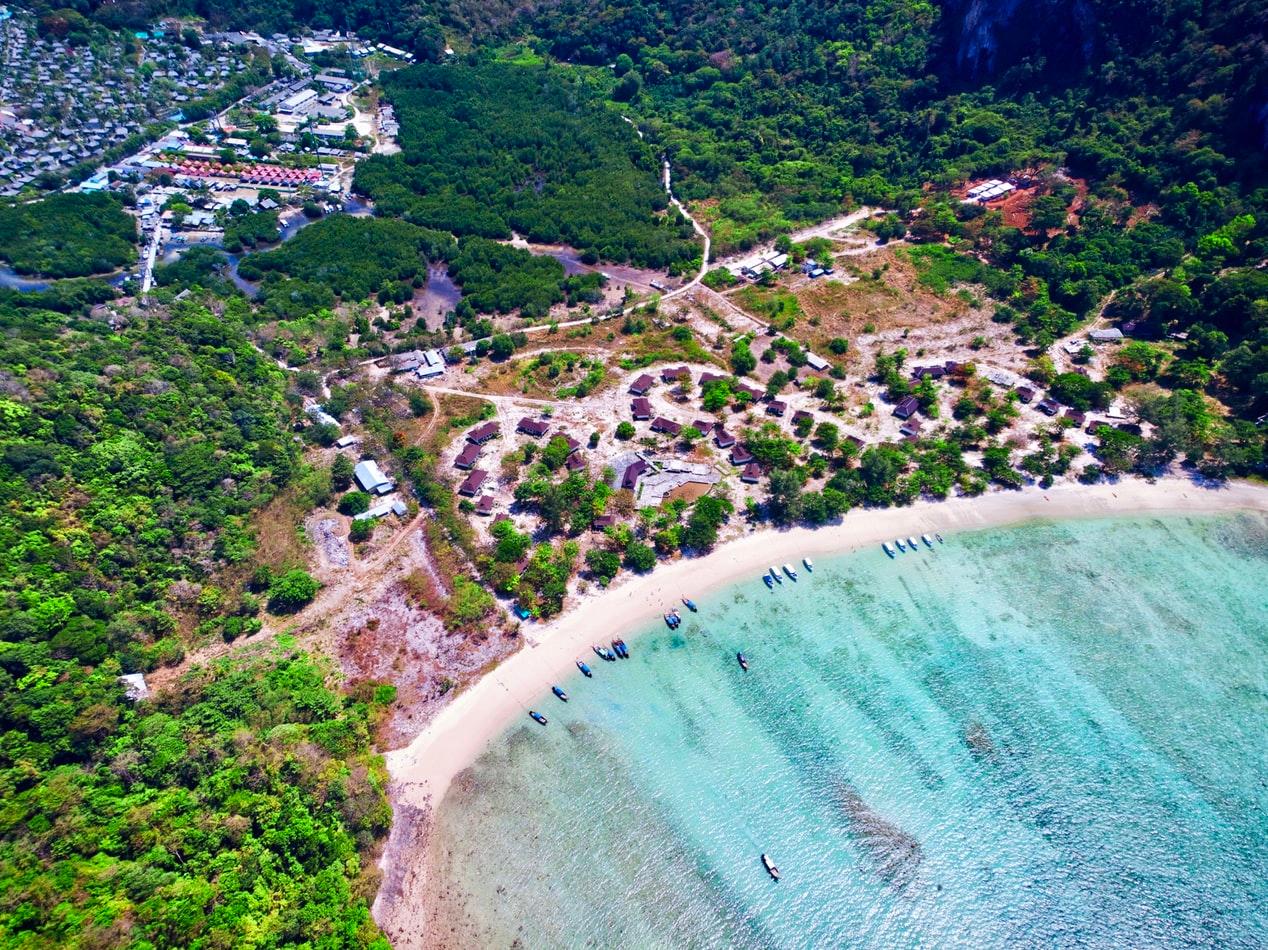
(1054, 735)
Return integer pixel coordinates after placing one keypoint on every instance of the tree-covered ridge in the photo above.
(128, 461)
(235, 810)
(354, 257)
(496, 148)
(67, 235)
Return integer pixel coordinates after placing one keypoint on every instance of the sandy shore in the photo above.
(422, 771)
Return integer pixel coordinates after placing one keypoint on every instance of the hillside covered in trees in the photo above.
(130, 464)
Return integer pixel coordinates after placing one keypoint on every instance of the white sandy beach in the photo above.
(422, 771)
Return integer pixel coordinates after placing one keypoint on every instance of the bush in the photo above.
(292, 591)
(361, 530)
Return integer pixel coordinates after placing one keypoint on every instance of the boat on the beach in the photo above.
(774, 572)
(690, 604)
(888, 548)
(621, 649)
(788, 569)
(770, 867)
(605, 653)
(927, 540)
(769, 583)
(558, 691)
(672, 620)
(538, 717)
(914, 545)
(810, 565)
(585, 670)
(900, 544)
(742, 660)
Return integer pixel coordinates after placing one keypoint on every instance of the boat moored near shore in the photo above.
(585, 670)
(558, 691)
(538, 717)
(743, 661)
(888, 548)
(788, 569)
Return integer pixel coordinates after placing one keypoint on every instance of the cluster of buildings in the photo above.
(755, 265)
(989, 191)
(63, 105)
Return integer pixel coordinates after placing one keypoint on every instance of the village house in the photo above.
(641, 408)
(469, 455)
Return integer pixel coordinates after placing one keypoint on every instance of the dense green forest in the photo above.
(233, 811)
(354, 257)
(69, 235)
(499, 147)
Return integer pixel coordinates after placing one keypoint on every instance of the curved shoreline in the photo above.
(422, 771)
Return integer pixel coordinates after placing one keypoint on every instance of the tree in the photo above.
(603, 564)
(341, 470)
(784, 502)
(354, 503)
(625, 430)
(501, 347)
(639, 557)
(292, 591)
(556, 452)
(742, 360)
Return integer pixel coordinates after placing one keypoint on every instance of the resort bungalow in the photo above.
(533, 427)
(641, 408)
(576, 462)
(674, 374)
(484, 505)
(816, 362)
(801, 417)
(723, 439)
(371, 478)
(776, 407)
(1049, 407)
(741, 456)
(703, 426)
(642, 385)
(906, 408)
(910, 429)
(667, 426)
(602, 521)
(469, 455)
(633, 472)
(1025, 394)
(471, 484)
(751, 474)
(481, 434)
(709, 377)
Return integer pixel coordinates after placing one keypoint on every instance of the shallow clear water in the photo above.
(1050, 735)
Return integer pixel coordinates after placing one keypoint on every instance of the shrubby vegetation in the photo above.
(67, 235)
